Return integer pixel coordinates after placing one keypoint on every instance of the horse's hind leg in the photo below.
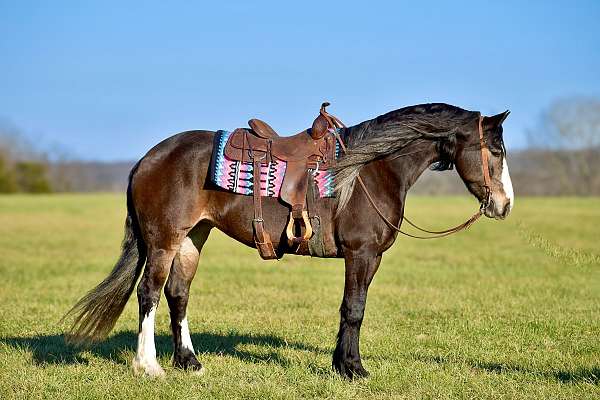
(177, 293)
(155, 274)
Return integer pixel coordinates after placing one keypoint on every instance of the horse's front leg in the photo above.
(360, 269)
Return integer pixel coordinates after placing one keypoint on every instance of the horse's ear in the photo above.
(495, 120)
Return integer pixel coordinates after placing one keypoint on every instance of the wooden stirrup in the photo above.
(308, 231)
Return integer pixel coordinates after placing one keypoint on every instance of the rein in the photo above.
(336, 123)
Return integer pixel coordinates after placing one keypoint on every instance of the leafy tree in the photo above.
(8, 183)
(32, 177)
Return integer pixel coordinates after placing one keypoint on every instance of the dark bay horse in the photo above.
(172, 207)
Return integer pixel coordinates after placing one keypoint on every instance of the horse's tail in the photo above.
(96, 313)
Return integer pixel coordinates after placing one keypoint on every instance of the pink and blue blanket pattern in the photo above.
(237, 176)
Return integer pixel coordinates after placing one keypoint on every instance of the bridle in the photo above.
(336, 124)
(485, 166)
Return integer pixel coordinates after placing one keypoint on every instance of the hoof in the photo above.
(188, 362)
(360, 373)
(149, 369)
(350, 370)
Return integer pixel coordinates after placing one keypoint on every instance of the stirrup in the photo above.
(308, 231)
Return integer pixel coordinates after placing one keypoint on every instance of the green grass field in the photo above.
(505, 310)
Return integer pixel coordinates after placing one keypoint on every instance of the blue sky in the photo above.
(107, 80)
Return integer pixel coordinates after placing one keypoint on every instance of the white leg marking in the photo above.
(186, 343)
(507, 184)
(145, 359)
(186, 340)
(146, 348)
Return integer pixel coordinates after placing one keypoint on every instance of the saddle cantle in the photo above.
(310, 150)
(262, 129)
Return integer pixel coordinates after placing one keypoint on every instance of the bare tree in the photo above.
(565, 146)
(574, 123)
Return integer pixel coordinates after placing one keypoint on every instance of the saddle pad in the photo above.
(237, 177)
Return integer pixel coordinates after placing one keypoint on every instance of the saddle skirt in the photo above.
(235, 172)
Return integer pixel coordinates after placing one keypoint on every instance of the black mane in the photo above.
(389, 133)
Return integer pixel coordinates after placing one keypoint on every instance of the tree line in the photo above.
(562, 159)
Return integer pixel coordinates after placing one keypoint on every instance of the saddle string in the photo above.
(335, 122)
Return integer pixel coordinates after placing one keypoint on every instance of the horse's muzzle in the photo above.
(497, 212)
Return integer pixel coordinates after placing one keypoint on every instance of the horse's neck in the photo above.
(412, 166)
(399, 173)
(388, 181)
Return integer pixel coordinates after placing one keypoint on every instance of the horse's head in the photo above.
(496, 196)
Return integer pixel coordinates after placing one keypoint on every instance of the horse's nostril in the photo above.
(506, 209)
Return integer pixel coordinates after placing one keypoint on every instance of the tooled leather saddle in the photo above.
(308, 151)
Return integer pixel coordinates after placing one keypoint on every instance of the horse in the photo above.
(172, 206)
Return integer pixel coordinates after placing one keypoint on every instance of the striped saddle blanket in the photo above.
(237, 177)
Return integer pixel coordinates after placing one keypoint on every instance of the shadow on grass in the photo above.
(52, 349)
(581, 374)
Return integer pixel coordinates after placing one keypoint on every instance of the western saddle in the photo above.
(306, 152)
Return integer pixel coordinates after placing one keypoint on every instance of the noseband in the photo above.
(334, 123)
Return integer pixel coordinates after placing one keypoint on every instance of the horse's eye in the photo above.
(496, 151)
(497, 147)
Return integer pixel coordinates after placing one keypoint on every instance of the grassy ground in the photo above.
(506, 310)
